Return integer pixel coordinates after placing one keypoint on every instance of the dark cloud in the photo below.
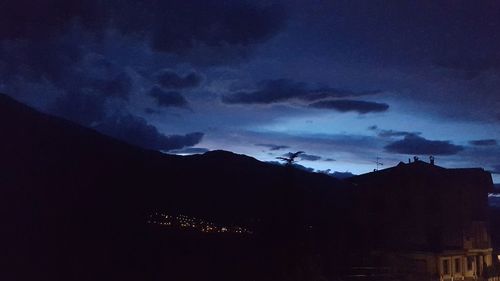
(168, 98)
(391, 133)
(170, 80)
(89, 109)
(270, 91)
(470, 67)
(412, 144)
(281, 90)
(50, 43)
(309, 157)
(272, 147)
(295, 165)
(48, 40)
(495, 169)
(198, 31)
(304, 156)
(361, 107)
(189, 150)
(135, 130)
(66, 46)
(150, 110)
(85, 100)
(182, 25)
(340, 175)
(438, 30)
(51, 59)
(81, 107)
(171, 26)
(118, 87)
(485, 142)
(28, 19)
(326, 93)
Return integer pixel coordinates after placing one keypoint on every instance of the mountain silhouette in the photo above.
(74, 202)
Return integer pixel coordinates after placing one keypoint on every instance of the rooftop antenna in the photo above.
(378, 163)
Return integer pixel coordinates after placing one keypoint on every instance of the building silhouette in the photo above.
(425, 221)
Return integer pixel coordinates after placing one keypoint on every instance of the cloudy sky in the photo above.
(344, 81)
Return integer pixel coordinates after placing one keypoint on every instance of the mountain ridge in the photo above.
(69, 191)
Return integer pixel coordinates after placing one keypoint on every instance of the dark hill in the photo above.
(74, 202)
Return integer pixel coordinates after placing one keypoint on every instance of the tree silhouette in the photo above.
(291, 158)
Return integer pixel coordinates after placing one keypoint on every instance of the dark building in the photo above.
(429, 220)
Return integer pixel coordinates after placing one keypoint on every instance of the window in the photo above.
(446, 266)
(458, 265)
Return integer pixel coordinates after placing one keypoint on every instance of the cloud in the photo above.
(89, 109)
(135, 130)
(168, 98)
(325, 93)
(391, 133)
(99, 46)
(304, 156)
(273, 147)
(51, 59)
(470, 66)
(48, 41)
(118, 87)
(86, 101)
(270, 91)
(85, 108)
(295, 165)
(189, 150)
(170, 26)
(342, 175)
(87, 56)
(282, 90)
(361, 107)
(484, 142)
(412, 144)
(495, 169)
(309, 157)
(182, 25)
(170, 80)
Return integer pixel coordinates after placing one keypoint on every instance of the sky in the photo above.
(347, 82)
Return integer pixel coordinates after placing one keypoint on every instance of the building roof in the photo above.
(419, 170)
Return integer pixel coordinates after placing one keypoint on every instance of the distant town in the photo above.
(183, 222)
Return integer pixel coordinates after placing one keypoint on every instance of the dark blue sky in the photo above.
(344, 81)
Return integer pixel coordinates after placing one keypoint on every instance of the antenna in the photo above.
(378, 163)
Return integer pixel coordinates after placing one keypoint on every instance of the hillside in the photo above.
(75, 201)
